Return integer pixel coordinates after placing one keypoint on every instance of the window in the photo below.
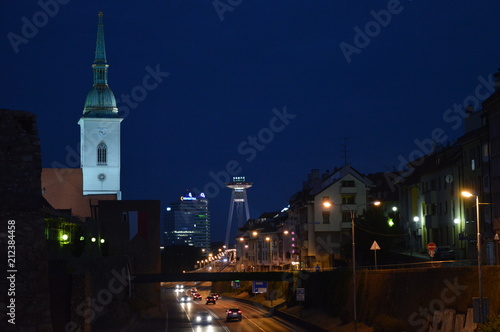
(351, 199)
(326, 202)
(326, 217)
(348, 183)
(346, 216)
(101, 154)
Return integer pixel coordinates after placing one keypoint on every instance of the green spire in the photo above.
(100, 100)
(100, 49)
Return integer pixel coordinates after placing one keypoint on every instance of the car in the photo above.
(444, 253)
(197, 297)
(179, 286)
(233, 313)
(215, 295)
(211, 299)
(194, 290)
(185, 298)
(203, 317)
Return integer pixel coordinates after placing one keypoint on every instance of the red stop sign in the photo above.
(431, 246)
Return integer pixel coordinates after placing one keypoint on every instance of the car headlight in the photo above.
(198, 318)
(209, 318)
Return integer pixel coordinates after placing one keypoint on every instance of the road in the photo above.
(181, 316)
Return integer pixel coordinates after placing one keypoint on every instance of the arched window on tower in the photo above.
(102, 154)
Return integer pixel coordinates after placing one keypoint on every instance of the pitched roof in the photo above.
(63, 189)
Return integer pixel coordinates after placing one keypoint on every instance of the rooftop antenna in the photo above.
(345, 151)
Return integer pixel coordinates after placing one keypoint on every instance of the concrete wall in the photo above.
(141, 244)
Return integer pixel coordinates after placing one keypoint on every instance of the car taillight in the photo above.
(230, 312)
(239, 311)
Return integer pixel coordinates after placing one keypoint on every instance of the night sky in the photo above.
(269, 89)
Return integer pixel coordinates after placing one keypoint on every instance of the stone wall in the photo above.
(21, 206)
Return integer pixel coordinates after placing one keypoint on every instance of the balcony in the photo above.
(348, 190)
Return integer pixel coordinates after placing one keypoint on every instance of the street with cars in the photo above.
(220, 314)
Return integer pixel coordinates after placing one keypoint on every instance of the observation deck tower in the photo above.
(239, 199)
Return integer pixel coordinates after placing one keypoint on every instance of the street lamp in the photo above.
(254, 243)
(268, 239)
(327, 204)
(496, 238)
(479, 273)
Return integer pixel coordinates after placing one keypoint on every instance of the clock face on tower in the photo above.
(101, 132)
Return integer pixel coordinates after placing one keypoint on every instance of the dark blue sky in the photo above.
(229, 70)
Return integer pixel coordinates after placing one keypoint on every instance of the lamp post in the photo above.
(479, 272)
(255, 236)
(353, 215)
(268, 239)
(497, 239)
(352, 212)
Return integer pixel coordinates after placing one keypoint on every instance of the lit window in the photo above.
(101, 154)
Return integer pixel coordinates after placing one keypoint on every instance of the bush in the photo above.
(384, 323)
(492, 326)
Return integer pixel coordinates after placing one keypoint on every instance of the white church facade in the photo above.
(98, 178)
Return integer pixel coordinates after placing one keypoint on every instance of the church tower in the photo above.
(100, 130)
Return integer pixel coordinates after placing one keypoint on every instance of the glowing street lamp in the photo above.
(479, 272)
(268, 239)
(327, 204)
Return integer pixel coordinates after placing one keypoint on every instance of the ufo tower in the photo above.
(239, 200)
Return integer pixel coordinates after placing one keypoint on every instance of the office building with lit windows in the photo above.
(187, 221)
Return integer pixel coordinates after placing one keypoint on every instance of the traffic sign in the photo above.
(259, 287)
(301, 294)
(375, 246)
(431, 246)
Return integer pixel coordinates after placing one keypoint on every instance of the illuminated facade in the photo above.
(100, 130)
(187, 222)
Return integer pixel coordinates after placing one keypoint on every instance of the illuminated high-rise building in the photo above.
(187, 221)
